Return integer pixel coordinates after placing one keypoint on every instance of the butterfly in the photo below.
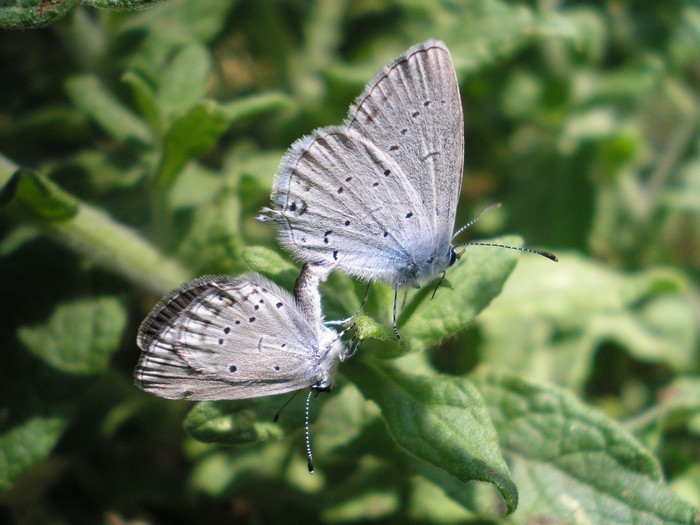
(220, 338)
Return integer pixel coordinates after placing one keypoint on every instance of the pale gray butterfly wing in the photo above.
(336, 199)
(377, 197)
(413, 108)
(221, 338)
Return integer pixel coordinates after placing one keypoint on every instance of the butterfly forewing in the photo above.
(414, 108)
(222, 338)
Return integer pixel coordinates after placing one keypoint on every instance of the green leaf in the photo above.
(120, 4)
(189, 136)
(145, 97)
(198, 130)
(91, 233)
(439, 419)
(430, 504)
(39, 195)
(572, 463)
(271, 264)
(213, 243)
(195, 188)
(551, 318)
(79, 337)
(218, 470)
(473, 283)
(25, 444)
(252, 105)
(678, 406)
(184, 81)
(182, 21)
(88, 93)
(34, 13)
(231, 422)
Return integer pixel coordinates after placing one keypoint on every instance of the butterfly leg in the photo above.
(353, 318)
(442, 278)
(352, 348)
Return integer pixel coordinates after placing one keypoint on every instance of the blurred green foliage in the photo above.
(136, 148)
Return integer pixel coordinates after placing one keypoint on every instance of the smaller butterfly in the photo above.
(219, 338)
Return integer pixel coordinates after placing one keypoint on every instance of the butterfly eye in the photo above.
(454, 256)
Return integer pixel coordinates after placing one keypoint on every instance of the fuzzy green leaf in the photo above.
(213, 243)
(38, 194)
(254, 105)
(79, 337)
(34, 13)
(26, 443)
(198, 130)
(272, 265)
(89, 94)
(194, 133)
(145, 96)
(182, 21)
(572, 463)
(580, 305)
(120, 4)
(439, 419)
(184, 81)
(230, 422)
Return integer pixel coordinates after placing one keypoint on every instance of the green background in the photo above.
(138, 140)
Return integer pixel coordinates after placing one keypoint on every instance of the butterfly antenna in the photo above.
(474, 221)
(309, 455)
(396, 296)
(548, 255)
(279, 412)
(543, 253)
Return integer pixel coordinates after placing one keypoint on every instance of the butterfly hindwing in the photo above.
(333, 194)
